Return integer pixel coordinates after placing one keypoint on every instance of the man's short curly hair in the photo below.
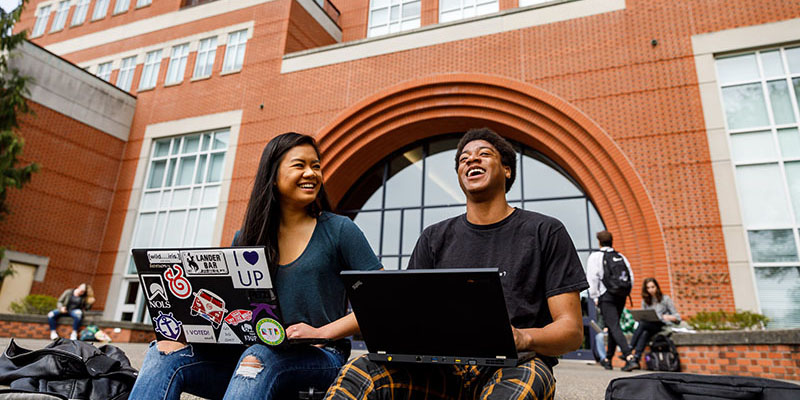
(508, 157)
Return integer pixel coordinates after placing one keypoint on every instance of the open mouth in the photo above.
(475, 171)
(307, 186)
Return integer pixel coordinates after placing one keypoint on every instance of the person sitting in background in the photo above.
(72, 302)
(652, 298)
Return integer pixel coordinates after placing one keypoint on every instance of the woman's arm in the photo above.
(671, 314)
(342, 327)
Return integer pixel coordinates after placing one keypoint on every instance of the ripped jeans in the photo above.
(214, 372)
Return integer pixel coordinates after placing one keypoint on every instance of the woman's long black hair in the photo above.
(262, 218)
(646, 295)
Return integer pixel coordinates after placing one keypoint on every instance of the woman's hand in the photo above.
(303, 330)
(669, 318)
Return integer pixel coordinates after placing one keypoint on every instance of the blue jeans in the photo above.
(600, 345)
(213, 372)
(76, 314)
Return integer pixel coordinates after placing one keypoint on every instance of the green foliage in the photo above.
(39, 304)
(725, 321)
(12, 102)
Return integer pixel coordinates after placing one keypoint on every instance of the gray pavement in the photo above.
(576, 380)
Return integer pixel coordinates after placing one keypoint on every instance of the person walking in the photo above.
(610, 282)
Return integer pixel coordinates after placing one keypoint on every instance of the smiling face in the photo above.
(299, 176)
(481, 171)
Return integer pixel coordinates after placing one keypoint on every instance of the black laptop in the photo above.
(442, 316)
(212, 295)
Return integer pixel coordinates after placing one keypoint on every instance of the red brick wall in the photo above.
(764, 361)
(62, 212)
(34, 330)
(304, 31)
(645, 98)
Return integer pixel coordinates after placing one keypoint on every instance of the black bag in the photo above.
(70, 368)
(672, 386)
(663, 355)
(616, 277)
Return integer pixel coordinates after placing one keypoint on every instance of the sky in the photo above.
(9, 5)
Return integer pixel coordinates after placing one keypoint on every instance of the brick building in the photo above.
(672, 124)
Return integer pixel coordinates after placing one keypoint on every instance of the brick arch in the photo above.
(364, 134)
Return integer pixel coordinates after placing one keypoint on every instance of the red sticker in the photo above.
(236, 317)
(178, 285)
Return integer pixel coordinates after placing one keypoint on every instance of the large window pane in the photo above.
(405, 172)
(793, 58)
(776, 245)
(433, 215)
(391, 232)
(205, 227)
(793, 179)
(744, 106)
(572, 213)
(186, 170)
(411, 230)
(144, 230)
(737, 69)
(772, 63)
(370, 224)
(441, 179)
(156, 174)
(782, 110)
(762, 195)
(789, 140)
(542, 181)
(176, 223)
(215, 169)
(779, 295)
(753, 147)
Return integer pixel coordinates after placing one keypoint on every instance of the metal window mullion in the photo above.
(383, 209)
(422, 191)
(521, 177)
(792, 93)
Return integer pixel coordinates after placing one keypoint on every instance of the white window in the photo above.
(121, 6)
(452, 10)
(234, 54)
(760, 96)
(179, 203)
(100, 9)
(389, 16)
(205, 57)
(524, 3)
(104, 71)
(41, 21)
(142, 3)
(152, 63)
(126, 71)
(80, 12)
(177, 63)
(61, 16)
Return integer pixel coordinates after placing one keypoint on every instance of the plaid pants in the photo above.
(365, 379)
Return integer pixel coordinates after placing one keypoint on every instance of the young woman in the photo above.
(652, 298)
(307, 247)
(73, 302)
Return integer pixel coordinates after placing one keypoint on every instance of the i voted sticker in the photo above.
(270, 331)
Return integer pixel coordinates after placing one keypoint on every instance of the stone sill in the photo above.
(90, 317)
(713, 338)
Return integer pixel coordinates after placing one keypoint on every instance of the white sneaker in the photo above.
(73, 335)
(53, 335)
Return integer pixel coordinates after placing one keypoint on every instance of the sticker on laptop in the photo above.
(163, 257)
(179, 286)
(248, 270)
(228, 336)
(166, 325)
(204, 263)
(155, 290)
(236, 317)
(259, 307)
(270, 331)
(248, 334)
(209, 306)
(199, 333)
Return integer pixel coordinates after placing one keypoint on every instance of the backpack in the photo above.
(616, 277)
(663, 355)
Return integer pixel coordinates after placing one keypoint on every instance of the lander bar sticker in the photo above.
(199, 334)
(228, 336)
(163, 257)
(248, 269)
(203, 263)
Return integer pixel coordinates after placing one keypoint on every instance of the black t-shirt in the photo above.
(74, 302)
(533, 252)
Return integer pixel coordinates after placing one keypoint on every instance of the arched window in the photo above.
(417, 186)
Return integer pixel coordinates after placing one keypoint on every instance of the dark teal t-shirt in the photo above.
(309, 288)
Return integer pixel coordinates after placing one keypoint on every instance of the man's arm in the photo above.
(562, 335)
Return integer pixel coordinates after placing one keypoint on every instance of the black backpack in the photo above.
(616, 277)
(663, 355)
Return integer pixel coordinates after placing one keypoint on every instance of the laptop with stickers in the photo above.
(441, 316)
(212, 295)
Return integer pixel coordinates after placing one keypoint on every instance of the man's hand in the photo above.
(522, 340)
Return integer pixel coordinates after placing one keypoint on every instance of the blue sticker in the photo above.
(251, 257)
(167, 326)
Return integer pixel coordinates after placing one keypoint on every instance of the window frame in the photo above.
(235, 46)
(104, 71)
(42, 18)
(121, 6)
(463, 7)
(179, 55)
(127, 69)
(100, 5)
(400, 21)
(150, 70)
(203, 54)
(60, 19)
(81, 10)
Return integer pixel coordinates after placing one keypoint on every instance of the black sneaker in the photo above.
(606, 363)
(631, 365)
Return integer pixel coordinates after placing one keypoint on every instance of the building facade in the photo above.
(672, 124)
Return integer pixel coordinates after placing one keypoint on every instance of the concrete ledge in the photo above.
(36, 327)
(715, 338)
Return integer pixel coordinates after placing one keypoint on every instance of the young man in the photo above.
(541, 277)
(610, 304)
